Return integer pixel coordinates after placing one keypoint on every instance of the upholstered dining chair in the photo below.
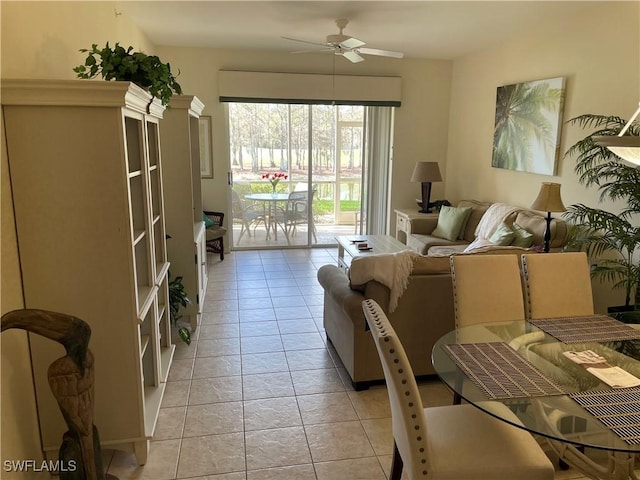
(486, 288)
(557, 284)
(449, 442)
(215, 232)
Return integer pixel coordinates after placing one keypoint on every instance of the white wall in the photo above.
(421, 122)
(42, 39)
(598, 53)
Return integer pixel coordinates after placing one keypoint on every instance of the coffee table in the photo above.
(378, 244)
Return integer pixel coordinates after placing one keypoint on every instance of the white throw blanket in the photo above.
(492, 218)
(390, 269)
(489, 223)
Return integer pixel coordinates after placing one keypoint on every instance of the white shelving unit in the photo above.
(86, 179)
(183, 200)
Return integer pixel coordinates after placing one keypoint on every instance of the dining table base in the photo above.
(618, 465)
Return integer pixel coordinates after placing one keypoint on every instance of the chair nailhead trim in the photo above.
(382, 335)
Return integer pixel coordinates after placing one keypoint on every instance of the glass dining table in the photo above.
(534, 370)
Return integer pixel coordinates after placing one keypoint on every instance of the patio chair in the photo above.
(298, 211)
(246, 214)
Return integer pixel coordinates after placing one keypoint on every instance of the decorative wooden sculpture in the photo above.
(71, 381)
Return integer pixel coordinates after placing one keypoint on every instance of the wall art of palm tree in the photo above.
(528, 122)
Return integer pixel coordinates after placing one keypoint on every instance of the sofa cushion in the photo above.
(446, 250)
(451, 221)
(477, 211)
(422, 243)
(521, 237)
(503, 235)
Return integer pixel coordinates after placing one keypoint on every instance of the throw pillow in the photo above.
(450, 222)
(521, 237)
(208, 223)
(503, 235)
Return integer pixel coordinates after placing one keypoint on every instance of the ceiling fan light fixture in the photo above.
(627, 147)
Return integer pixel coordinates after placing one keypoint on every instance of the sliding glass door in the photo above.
(296, 173)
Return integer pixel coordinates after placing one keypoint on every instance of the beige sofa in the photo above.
(424, 313)
(421, 240)
(425, 310)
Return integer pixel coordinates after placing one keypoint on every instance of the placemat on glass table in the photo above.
(587, 328)
(618, 409)
(500, 372)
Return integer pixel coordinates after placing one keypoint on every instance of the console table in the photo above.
(378, 244)
(404, 217)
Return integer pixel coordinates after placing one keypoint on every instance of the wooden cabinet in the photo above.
(183, 200)
(86, 181)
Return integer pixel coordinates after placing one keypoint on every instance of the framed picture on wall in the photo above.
(206, 154)
(528, 121)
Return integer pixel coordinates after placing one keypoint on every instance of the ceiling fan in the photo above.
(349, 47)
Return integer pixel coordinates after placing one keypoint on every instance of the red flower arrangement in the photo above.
(274, 178)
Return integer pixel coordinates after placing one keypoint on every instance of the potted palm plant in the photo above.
(612, 238)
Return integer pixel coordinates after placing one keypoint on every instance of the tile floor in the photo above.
(258, 395)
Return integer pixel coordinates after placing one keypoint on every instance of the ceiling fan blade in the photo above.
(382, 53)
(352, 56)
(320, 50)
(352, 43)
(306, 41)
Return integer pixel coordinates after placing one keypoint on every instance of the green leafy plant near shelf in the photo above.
(178, 298)
(601, 232)
(146, 71)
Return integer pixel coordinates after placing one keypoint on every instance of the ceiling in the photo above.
(420, 29)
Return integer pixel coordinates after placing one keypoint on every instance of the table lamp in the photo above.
(426, 172)
(548, 201)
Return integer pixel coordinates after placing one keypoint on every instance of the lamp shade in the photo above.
(548, 199)
(426, 172)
